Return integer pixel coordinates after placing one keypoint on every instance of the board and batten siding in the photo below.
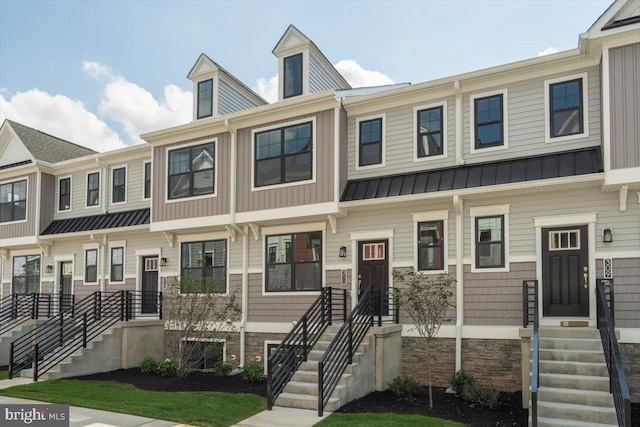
(624, 69)
(288, 196)
(26, 228)
(231, 99)
(47, 200)
(320, 79)
(188, 207)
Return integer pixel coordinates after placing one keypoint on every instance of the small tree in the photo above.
(196, 313)
(426, 301)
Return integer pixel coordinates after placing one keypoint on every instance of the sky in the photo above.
(100, 73)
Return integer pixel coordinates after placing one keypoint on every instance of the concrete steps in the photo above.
(9, 336)
(574, 382)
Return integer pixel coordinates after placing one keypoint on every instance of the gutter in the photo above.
(459, 210)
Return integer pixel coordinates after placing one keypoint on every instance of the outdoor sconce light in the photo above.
(607, 237)
(343, 252)
(49, 269)
(163, 262)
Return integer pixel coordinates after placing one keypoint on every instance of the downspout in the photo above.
(104, 181)
(245, 294)
(459, 210)
(458, 92)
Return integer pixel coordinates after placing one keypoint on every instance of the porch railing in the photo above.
(16, 309)
(617, 380)
(530, 315)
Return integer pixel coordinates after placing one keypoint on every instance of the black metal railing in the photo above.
(617, 380)
(330, 306)
(531, 315)
(16, 309)
(58, 337)
(529, 296)
(374, 307)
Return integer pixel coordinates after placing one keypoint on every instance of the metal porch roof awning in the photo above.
(557, 165)
(99, 222)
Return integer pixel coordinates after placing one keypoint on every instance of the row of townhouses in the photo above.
(524, 171)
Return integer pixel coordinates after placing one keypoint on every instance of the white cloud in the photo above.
(548, 51)
(96, 70)
(60, 116)
(268, 89)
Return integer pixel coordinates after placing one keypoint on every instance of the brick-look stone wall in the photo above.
(255, 345)
(172, 340)
(631, 362)
(494, 363)
(626, 285)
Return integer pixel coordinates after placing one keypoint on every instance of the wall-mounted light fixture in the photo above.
(163, 262)
(343, 252)
(49, 269)
(607, 237)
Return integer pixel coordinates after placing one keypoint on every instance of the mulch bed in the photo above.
(445, 406)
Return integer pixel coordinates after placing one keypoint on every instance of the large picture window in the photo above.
(64, 194)
(91, 265)
(119, 189)
(191, 171)
(489, 123)
(431, 245)
(566, 108)
(205, 98)
(370, 143)
(292, 76)
(284, 155)
(490, 242)
(13, 201)
(93, 189)
(294, 262)
(26, 274)
(430, 132)
(203, 266)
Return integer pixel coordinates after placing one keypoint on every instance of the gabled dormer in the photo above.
(217, 92)
(302, 68)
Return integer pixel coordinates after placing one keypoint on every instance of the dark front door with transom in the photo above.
(65, 292)
(149, 284)
(373, 273)
(565, 271)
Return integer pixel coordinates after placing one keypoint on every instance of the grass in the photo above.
(384, 420)
(209, 409)
(4, 375)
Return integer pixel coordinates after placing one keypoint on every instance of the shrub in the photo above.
(460, 380)
(405, 387)
(252, 372)
(484, 397)
(222, 368)
(149, 366)
(166, 368)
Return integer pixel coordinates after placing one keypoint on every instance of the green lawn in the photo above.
(4, 375)
(384, 420)
(196, 408)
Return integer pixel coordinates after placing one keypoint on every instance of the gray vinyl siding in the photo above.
(624, 68)
(321, 79)
(78, 194)
(294, 195)
(626, 286)
(232, 99)
(26, 228)
(47, 200)
(134, 187)
(188, 207)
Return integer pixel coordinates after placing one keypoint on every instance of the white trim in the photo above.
(622, 176)
(338, 267)
(606, 111)
(144, 163)
(312, 209)
(254, 270)
(371, 235)
(57, 261)
(363, 236)
(294, 228)
(88, 247)
(383, 137)
(86, 188)
(629, 335)
(488, 332)
(562, 220)
(514, 259)
(585, 108)
(505, 121)
(336, 154)
(126, 182)
(314, 153)
(151, 252)
(214, 235)
(444, 132)
(185, 224)
(269, 327)
(200, 238)
(118, 244)
(304, 50)
(617, 254)
(490, 211)
(22, 252)
(166, 168)
(57, 191)
(443, 216)
(26, 201)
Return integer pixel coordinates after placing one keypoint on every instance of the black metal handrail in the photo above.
(529, 296)
(617, 380)
(295, 347)
(57, 338)
(531, 315)
(374, 307)
(16, 309)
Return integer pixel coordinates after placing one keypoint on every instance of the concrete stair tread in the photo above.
(574, 391)
(574, 377)
(304, 397)
(585, 408)
(558, 422)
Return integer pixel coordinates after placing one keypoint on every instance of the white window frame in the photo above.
(26, 213)
(505, 121)
(416, 141)
(305, 73)
(265, 359)
(485, 211)
(166, 168)
(87, 247)
(126, 184)
(204, 237)
(118, 244)
(144, 165)
(427, 217)
(86, 188)
(383, 142)
(585, 108)
(58, 179)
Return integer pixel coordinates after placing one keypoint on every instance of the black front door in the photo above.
(65, 285)
(149, 284)
(565, 271)
(373, 272)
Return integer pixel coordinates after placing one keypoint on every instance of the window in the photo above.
(490, 242)
(488, 121)
(204, 267)
(64, 194)
(191, 171)
(202, 354)
(284, 155)
(566, 108)
(564, 240)
(294, 262)
(147, 180)
(91, 266)
(370, 142)
(13, 201)
(292, 76)
(118, 190)
(93, 189)
(431, 245)
(117, 265)
(26, 274)
(430, 132)
(205, 99)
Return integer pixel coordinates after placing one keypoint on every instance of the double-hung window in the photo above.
(13, 201)
(119, 185)
(431, 245)
(93, 189)
(292, 76)
(205, 99)
(203, 267)
(490, 242)
(26, 274)
(489, 121)
(147, 180)
(430, 132)
(284, 155)
(566, 112)
(64, 194)
(117, 265)
(91, 266)
(191, 171)
(294, 262)
(370, 143)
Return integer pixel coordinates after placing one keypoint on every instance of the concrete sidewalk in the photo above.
(283, 417)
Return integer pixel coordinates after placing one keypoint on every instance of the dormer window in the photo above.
(205, 99)
(292, 76)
